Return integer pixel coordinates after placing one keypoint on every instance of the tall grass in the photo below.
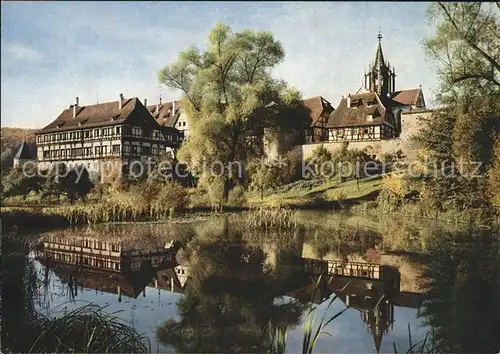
(312, 332)
(269, 219)
(87, 329)
(427, 345)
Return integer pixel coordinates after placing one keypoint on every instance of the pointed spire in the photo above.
(377, 338)
(379, 57)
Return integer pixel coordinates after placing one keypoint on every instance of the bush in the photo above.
(237, 196)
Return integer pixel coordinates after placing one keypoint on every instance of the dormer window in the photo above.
(83, 121)
(60, 124)
(114, 117)
(370, 116)
(355, 103)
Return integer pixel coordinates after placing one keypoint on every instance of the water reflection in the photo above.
(235, 286)
(463, 297)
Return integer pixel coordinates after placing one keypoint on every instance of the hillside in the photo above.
(11, 140)
(303, 193)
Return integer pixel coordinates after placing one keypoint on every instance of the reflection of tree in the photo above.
(19, 285)
(228, 303)
(344, 241)
(463, 299)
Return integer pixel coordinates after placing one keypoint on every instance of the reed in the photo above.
(270, 219)
(428, 345)
(87, 329)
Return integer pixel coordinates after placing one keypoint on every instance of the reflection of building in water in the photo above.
(113, 256)
(112, 267)
(372, 289)
(171, 279)
(371, 298)
(182, 273)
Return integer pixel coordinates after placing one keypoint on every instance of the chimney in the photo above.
(173, 108)
(120, 101)
(146, 102)
(160, 99)
(75, 107)
(349, 101)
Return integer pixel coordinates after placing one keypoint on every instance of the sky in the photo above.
(52, 52)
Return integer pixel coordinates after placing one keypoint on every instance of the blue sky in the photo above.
(55, 51)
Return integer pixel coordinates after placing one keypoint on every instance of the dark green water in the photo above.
(220, 289)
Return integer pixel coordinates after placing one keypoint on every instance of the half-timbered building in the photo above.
(320, 110)
(374, 111)
(120, 131)
(170, 115)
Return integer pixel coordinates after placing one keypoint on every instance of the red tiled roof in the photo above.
(406, 97)
(369, 103)
(317, 105)
(164, 116)
(102, 114)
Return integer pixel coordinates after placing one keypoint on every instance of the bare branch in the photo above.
(469, 42)
(474, 76)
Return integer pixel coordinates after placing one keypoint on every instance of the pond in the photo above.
(216, 286)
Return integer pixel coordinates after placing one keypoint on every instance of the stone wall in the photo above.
(411, 123)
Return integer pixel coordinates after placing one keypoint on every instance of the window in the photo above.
(126, 148)
(96, 132)
(135, 149)
(46, 154)
(136, 131)
(118, 130)
(104, 150)
(116, 149)
(98, 151)
(146, 150)
(87, 151)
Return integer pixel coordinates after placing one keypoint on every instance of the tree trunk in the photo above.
(227, 188)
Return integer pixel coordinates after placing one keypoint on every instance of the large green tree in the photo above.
(230, 95)
(460, 137)
(465, 47)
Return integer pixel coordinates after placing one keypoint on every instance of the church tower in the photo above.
(380, 77)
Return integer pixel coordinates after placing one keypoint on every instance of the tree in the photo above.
(68, 183)
(263, 175)
(461, 136)
(466, 47)
(229, 95)
(15, 182)
(494, 178)
(322, 162)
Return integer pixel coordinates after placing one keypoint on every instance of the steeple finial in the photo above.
(379, 36)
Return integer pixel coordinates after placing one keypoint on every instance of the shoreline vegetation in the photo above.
(357, 197)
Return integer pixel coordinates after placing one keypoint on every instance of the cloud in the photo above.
(21, 52)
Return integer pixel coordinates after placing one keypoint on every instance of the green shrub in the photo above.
(237, 196)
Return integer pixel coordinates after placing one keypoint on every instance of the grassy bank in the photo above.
(331, 193)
